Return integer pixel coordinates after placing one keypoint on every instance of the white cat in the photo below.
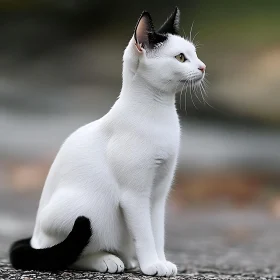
(115, 173)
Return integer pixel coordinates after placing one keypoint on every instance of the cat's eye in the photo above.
(181, 57)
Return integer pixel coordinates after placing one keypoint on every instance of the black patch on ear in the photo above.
(172, 24)
(144, 33)
(156, 39)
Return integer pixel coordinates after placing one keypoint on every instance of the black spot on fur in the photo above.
(57, 257)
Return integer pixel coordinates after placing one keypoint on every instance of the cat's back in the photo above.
(83, 147)
(80, 153)
(83, 138)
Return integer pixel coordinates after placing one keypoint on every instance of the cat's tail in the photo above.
(57, 257)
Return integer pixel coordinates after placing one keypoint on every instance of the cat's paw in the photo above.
(157, 269)
(172, 268)
(110, 264)
(131, 264)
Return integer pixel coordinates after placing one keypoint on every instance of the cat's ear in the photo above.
(145, 35)
(172, 24)
(143, 27)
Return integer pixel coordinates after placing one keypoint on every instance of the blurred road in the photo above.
(206, 244)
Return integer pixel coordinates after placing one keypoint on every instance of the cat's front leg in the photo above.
(135, 203)
(158, 210)
(163, 182)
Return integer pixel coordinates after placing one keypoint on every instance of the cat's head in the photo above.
(162, 57)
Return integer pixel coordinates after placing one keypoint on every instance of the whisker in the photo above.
(206, 83)
(198, 43)
(180, 95)
(188, 84)
(204, 89)
(182, 90)
(185, 86)
(211, 106)
(176, 92)
(208, 103)
(191, 32)
(195, 35)
(186, 102)
(193, 102)
(197, 46)
(195, 93)
(181, 101)
(202, 95)
(185, 36)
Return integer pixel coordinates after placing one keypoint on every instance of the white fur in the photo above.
(118, 170)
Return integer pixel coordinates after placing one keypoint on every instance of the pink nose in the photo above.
(202, 68)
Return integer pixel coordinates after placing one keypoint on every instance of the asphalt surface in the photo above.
(205, 244)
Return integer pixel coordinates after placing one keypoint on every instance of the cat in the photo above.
(103, 204)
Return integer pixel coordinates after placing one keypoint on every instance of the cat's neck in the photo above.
(137, 90)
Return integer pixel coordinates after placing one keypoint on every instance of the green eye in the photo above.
(181, 57)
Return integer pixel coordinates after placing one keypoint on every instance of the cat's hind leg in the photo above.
(101, 262)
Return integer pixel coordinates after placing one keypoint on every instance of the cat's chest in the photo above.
(165, 147)
(144, 138)
(165, 140)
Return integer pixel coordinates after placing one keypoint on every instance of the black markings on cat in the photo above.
(57, 257)
(171, 25)
(145, 34)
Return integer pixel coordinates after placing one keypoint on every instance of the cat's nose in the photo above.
(202, 68)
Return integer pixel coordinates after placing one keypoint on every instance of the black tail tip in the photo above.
(82, 221)
(82, 224)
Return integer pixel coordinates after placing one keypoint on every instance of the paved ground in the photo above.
(227, 244)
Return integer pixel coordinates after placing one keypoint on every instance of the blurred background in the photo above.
(60, 68)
